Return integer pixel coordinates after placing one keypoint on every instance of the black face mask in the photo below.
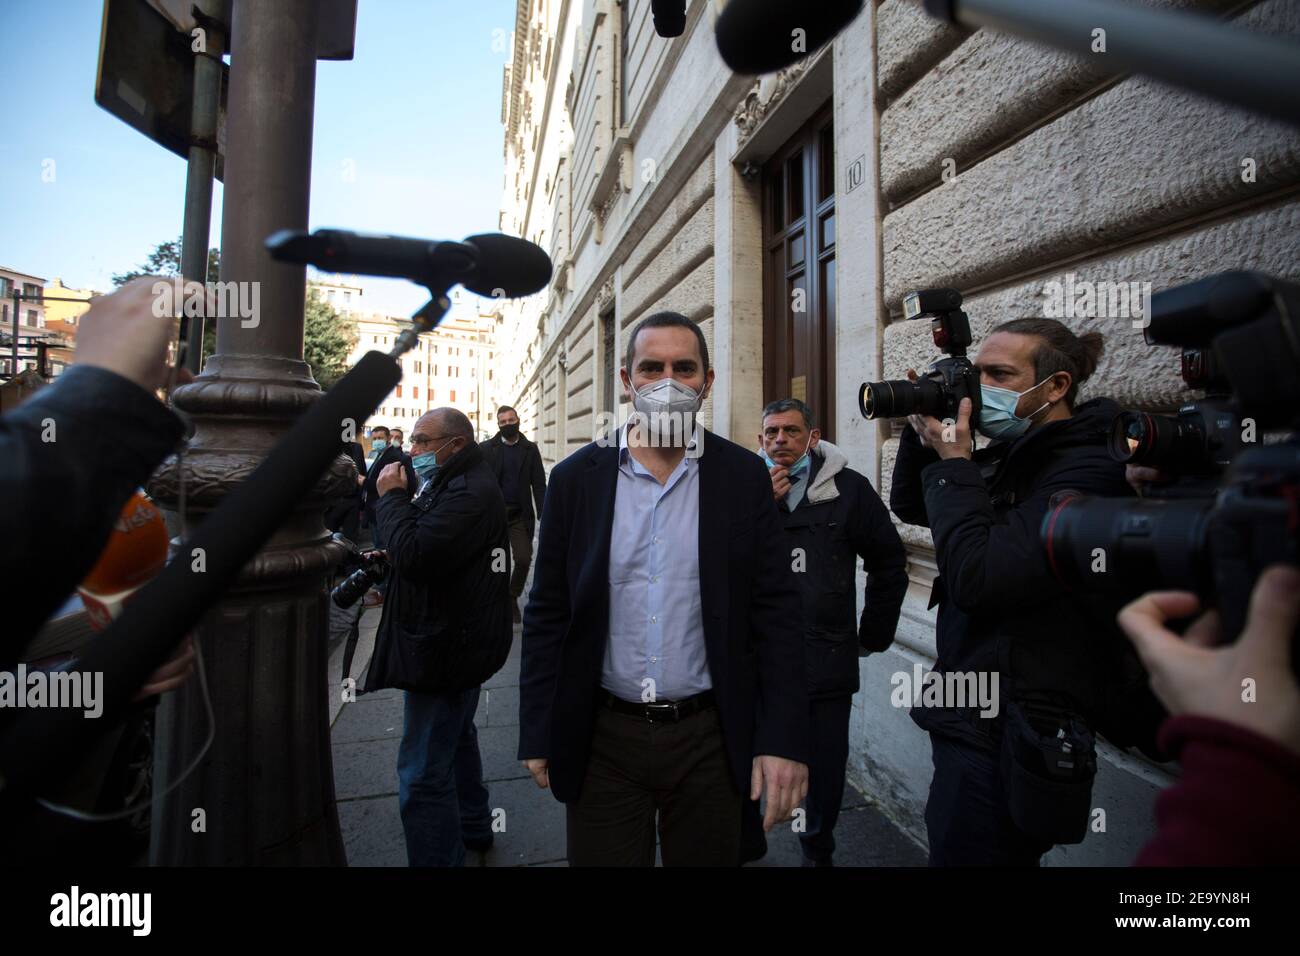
(510, 432)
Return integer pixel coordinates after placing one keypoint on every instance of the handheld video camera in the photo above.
(940, 390)
(1215, 543)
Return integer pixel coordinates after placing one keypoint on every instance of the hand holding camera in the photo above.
(1191, 675)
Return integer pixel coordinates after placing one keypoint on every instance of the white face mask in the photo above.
(667, 403)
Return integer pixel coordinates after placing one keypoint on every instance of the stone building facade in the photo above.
(789, 216)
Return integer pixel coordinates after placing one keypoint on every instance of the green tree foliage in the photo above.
(327, 339)
(165, 260)
(327, 336)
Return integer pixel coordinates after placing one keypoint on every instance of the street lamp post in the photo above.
(264, 794)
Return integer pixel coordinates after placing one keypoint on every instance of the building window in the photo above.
(433, 394)
(434, 370)
(376, 338)
(33, 290)
(33, 318)
(347, 298)
(489, 375)
(418, 368)
(415, 391)
(399, 391)
(473, 372)
(453, 395)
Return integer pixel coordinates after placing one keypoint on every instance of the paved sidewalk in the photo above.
(365, 737)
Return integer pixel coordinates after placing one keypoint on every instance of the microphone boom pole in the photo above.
(1249, 69)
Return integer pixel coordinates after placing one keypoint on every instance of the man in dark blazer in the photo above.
(388, 454)
(517, 464)
(662, 668)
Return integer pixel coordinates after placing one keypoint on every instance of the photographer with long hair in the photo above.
(1013, 774)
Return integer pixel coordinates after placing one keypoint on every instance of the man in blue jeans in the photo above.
(445, 630)
(443, 801)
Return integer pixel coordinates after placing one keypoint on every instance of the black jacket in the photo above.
(839, 519)
(750, 607)
(532, 476)
(353, 450)
(1000, 607)
(61, 497)
(446, 623)
(369, 494)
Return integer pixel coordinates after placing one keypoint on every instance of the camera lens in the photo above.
(899, 398)
(883, 399)
(353, 587)
(1158, 441)
(1129, 546)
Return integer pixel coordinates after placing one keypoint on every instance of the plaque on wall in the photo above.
(799, 387)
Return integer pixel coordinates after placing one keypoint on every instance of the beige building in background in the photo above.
(41, 324)
(454, 365)
(789, 215)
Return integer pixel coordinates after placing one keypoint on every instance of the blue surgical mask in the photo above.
(426, 465)
(378, 444)
(998, 418)
(799, 465)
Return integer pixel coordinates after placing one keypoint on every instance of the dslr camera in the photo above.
(945, 383)
(1212, 538)
(373, 569)
(1204, 437)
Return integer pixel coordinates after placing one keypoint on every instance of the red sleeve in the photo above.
(1235, 804)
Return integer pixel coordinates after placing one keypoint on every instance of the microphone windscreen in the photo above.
(761, 36)
(669, 17)
(508, 266)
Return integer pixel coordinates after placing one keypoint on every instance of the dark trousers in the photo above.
(378, 539)
(640, 768)
(830, 726)
(966, 816)
(440, 778)
(521, 554)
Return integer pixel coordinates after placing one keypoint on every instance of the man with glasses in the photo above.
(445, 630)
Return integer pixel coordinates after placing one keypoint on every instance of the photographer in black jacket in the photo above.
(444, 631)
(833, 517)
(1061, 669)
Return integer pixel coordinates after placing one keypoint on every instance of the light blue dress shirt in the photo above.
(656, 626)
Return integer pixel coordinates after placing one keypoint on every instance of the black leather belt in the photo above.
(660, 711)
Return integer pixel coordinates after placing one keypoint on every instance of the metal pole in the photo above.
(202, 166)
(15, 343)
(1228, 62)
(266, 788)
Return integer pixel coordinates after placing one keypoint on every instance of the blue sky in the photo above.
(417, 112)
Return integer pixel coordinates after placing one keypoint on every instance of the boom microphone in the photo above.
(491, 264)
(669, 17)
(761, 36)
